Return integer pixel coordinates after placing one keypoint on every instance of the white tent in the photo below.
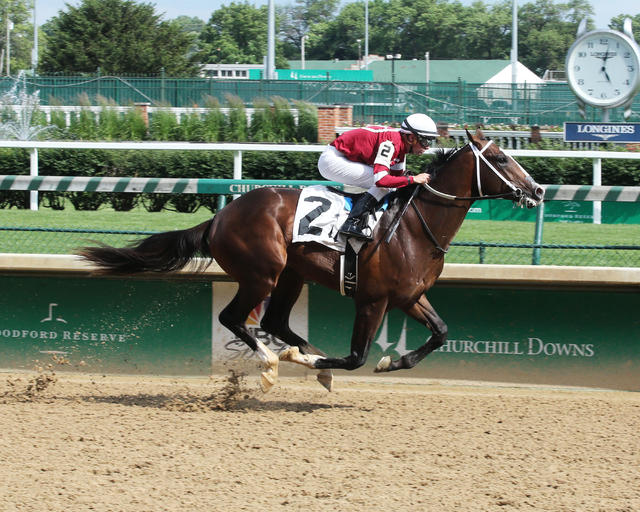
(499, 86)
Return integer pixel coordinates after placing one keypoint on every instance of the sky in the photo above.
(604, 9)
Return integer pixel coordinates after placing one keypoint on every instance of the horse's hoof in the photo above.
(325, 377)
(267, 380)
(290, 354)
(383, 365)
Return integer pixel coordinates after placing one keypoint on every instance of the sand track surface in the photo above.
(111, 443)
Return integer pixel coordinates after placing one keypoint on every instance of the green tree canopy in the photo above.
(117, 36)
(21, 36)
(237, 33)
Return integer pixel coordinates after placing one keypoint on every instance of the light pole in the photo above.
(34, 53)
(9, 29)
(302, 40)
(393, 58)
(359, 53)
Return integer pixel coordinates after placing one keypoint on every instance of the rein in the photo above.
(515, 193)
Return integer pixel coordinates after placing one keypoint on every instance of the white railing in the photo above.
(239, 148)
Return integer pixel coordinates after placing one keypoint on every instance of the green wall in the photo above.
(121, 325)
(560, 336)
(544, 336)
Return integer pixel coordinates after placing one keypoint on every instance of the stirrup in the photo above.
(352, 230)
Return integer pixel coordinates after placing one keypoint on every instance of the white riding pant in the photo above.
(334, 166)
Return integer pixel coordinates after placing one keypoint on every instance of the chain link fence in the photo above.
(25, 240)
(373, 102)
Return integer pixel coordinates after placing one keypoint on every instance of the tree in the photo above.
(547, 30)
(305, 18)
(617, 23)
(117, 36)
(237, 33)
(21, 36)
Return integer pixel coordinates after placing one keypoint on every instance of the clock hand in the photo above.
(604, 70)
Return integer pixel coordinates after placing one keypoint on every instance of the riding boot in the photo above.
(357, 219)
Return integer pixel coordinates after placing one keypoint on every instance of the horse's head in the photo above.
(497, 173)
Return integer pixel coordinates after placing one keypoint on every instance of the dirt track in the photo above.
(140, 444)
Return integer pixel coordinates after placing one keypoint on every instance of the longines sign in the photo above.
(602, 132)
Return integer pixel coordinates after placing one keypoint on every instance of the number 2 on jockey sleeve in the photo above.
(385, 154)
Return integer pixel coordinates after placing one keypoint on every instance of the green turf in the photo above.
(502, 232)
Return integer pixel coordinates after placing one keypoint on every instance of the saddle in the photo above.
(320, 213)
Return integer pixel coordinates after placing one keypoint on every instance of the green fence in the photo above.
(456, 102)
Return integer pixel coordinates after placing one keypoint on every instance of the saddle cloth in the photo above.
(320, 213)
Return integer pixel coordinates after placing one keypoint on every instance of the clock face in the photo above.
(602, 68)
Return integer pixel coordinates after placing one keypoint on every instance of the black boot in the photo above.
(358, 217)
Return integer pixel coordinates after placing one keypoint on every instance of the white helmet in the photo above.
(420, 125)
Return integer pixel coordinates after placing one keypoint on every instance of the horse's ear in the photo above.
(479, 134)
(469, 136)
(474, 139)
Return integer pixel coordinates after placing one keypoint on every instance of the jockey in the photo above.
(374, 158)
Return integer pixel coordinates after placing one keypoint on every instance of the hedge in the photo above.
(272, 122)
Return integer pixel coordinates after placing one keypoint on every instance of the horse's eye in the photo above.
(501, 159)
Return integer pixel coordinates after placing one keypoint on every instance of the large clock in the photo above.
(603, 67)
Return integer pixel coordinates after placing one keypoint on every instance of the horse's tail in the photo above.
(161, 252)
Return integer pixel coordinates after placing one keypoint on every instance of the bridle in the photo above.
(515, 193)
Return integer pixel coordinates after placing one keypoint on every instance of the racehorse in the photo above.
(251, 239)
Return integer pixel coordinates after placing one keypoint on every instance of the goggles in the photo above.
(425, 141)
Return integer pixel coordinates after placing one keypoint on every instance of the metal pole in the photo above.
(537, 238)
(34, 53)
(366, 34)
(514, 43)
(237, 168)
(302, 50)
(33, 171)
(271, 42)
(427, 63)
(597, 181)
(9, 27)
(514, 58)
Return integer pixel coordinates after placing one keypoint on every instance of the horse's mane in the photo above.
(442, 156)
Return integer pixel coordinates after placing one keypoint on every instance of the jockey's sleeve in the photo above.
(390, 181)
(382, 165)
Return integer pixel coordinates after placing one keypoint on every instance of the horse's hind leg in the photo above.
(234, 316)
(276, 321)
(424, 313)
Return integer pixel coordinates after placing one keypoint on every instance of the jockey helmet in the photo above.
(422, 126)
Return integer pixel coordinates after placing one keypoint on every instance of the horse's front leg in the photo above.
(424, 313)
(368, 319)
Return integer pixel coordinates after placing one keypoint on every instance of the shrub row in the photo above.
(272, 122)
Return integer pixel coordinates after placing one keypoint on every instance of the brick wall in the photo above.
(330, 117)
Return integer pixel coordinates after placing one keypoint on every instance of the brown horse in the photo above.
(251, 239)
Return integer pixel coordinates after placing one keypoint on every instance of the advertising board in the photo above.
(534, 335)
(105, 325)
(568, 335)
